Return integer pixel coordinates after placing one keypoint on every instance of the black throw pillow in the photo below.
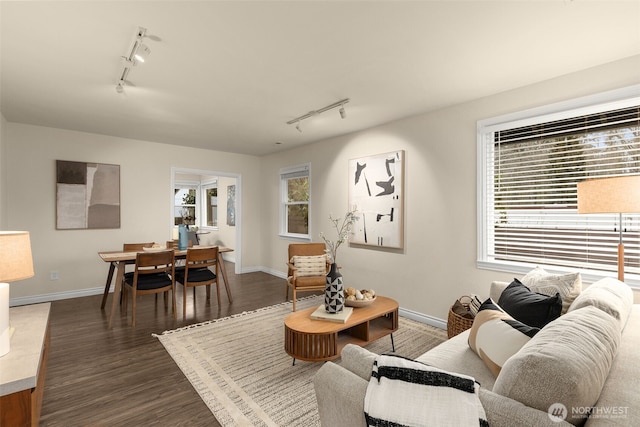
(529, 307)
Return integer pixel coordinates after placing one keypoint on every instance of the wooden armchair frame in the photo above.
(306, 283)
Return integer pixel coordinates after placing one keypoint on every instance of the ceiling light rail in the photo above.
(138, 53)
(341, 104)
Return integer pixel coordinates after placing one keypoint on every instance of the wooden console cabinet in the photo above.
(23, 369)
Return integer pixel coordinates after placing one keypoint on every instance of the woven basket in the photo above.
(457, 323)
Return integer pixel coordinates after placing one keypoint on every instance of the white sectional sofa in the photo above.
(587, 361)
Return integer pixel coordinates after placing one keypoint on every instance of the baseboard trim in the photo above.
(422, 318)
(36, 299)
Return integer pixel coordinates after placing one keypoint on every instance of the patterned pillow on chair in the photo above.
(313, 265)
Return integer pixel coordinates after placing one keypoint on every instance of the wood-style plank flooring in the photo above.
(123, 376)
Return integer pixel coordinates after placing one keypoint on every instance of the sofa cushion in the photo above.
(529, 307)
(567, 362)
(617, 394)
(454, 355)
(609, 295)
(567, 285)
(311, 265)
(496, 289)
(495, 336)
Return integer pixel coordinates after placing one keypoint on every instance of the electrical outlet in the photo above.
(54, 275)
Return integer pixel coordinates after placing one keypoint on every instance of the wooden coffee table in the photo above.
(319, 340)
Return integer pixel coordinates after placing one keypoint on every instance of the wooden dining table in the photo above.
(118, 260)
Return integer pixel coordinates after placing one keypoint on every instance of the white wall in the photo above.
(146, 200)
(438, 263)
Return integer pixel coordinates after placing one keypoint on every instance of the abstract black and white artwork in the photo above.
(87, 195)
(376, 192)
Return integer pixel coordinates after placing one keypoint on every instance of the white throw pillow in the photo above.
(567, 285)
(312, 265)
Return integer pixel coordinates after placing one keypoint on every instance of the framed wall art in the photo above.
(87, 195)
(231, 205)
(376, 188)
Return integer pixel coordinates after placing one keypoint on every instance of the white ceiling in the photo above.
(228, 75)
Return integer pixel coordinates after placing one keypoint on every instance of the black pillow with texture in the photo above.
(529, 307)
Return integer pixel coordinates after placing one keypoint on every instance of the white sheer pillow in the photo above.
(567, 285)
(311, 265)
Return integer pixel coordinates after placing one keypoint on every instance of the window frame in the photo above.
(620, 98)
(189, 185)
(200, 205)
(286, 174)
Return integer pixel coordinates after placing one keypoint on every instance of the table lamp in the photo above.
(15, 264)
(611, 195)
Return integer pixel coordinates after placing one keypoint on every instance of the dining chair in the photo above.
(153, 274)
(197, 272)
(126, 247)
(308, 268)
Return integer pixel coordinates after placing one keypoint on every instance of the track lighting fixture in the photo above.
(312, 113)
(138, 53)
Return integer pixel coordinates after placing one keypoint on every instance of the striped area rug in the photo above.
(239, 367)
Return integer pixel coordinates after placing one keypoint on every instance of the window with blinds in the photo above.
(530, 195)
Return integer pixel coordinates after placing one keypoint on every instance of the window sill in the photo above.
(588, 276)
(296, 237)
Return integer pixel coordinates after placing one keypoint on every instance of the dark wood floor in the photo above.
(123, 376)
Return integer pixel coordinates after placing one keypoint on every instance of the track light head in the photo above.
(142, 52)
(343, 113)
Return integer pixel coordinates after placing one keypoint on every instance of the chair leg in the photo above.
(286, 295)
(173, 301)
(294, 298)
(133, 308)
(218, 292)
(184, 301)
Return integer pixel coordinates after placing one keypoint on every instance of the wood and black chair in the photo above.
(154, 273)
(127, 247)
(309, 273)
(197, 272)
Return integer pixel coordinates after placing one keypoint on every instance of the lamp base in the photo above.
(5, 329)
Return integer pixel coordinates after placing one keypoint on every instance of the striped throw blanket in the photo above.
(403, 392)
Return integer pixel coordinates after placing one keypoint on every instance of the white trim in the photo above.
(36, 299)
(423, 318)
(282, 232)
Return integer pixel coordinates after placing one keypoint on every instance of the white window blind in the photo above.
(530, 199)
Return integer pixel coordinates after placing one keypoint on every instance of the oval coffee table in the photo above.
(320, 340)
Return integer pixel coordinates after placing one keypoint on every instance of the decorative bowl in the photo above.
(359, 302)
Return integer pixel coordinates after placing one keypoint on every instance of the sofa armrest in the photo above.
(340, 396)
(505, 412)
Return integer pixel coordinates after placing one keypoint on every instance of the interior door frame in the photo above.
(238, 205)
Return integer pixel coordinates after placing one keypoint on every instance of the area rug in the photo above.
(239, 367)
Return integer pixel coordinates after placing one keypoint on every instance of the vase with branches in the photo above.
(343, 227)
(334, 289)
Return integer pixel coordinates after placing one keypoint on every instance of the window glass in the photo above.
(185, 205)
(295, 188)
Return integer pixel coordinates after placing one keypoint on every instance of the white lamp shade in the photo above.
(16, 262)
(609, 195)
